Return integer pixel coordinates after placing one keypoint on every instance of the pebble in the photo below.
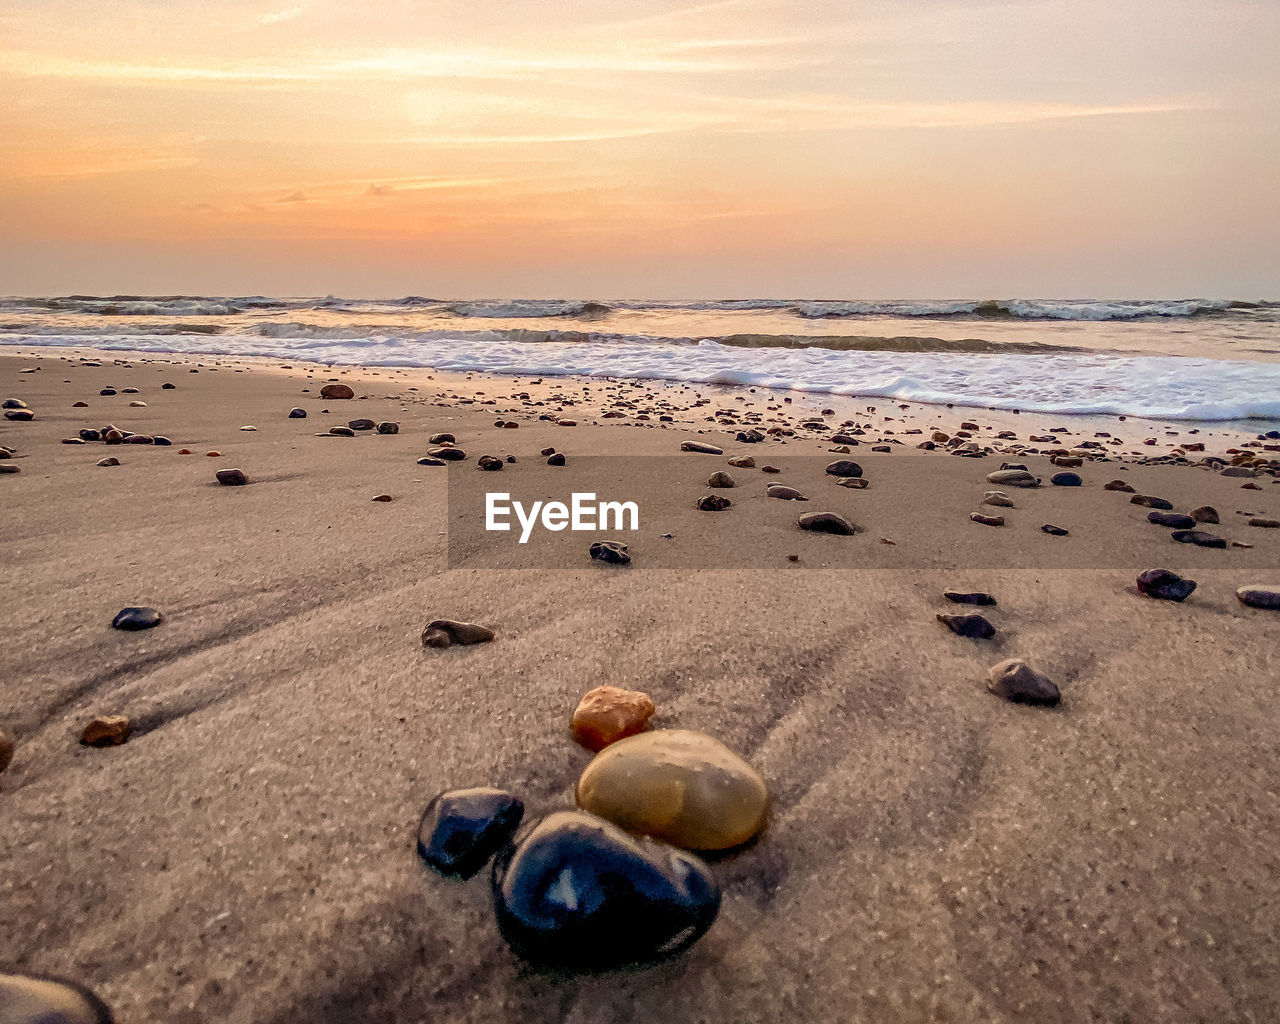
(382, 497)
(1016, 681)
(6, 750)
(1199, 538)
(1054, 531)
(139, 439)
(462, 829)
(1256, 596)
(441, 439)
(720, 479)
(388, 427)
(40, 1000)
(297, 413)
(231, 477)
(859, 483)
(713, 503)
(164, 442)
(446, 632)
(608, 714)
(428, 460)
(360, 424)
(1147, 501)
(447, 453)
(844, 467)
(752, 436)
(79, 405)
(143, 405)
(1239, 471)
(337, 391)
(213, 455)
(701, 448)
(20, 415)
(106, 731)
(1118, 485)
(1266, 524)
(129, 391)
(1175, 520)
(1066, 480)
(610, 551)
(1205, 514)
(110, 460)
(968, 597)
(770, 469)
(107, 391)
(90, 435)
(13, 403)
(827, 522)
(1013, 478)
(73, 440)
(974, 626)
(556, 459)
(566, 423)
(742, 462)
(683, 787)
(133, 619)
(1165, 584)
(997, 498)
(784, 492)
(168, 387)
(488, 463)
(978, 517)
(339, 432)
(6, 468)
(577, 892)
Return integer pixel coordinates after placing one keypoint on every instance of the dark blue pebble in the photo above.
(463, 828)
(578, 892)
(136, 618)
(1066, 480)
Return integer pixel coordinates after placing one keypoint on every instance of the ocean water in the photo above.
(1191, 359)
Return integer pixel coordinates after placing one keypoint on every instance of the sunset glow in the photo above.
(928, 147)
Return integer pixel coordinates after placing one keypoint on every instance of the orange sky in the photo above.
(610, 148)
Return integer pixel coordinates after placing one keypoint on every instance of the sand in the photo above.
(934, 853)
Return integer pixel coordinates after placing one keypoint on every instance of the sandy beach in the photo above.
(934, 853)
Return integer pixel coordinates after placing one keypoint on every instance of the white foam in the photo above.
(1159, 387)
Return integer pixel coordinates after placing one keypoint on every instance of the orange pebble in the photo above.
(214, 455)
(184, 451)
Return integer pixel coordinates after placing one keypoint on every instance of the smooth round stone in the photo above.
(168, 387)
(1013, 478)
(1256, 596)
(448, 454)
(31, 1000)
(1054, 531)
(742, 462)
(720, 479)
(701, 448)
(162, 441)
(136, 618)
(578, 892)
(1066, 480)
(968, 597)
(107, 391)
(462, 829)
(446, 632)
(1199, 538)
(441, 439)
(784, 493)
(1118, 485)
(6, 750)
(13, 403)
(297, 414)
(1016, 681)
(90, 435)
(428, 460)
(1165, 585)
(110, 460)
(107, 731)
(827, 522)
(129, 391)
(361, 424)
(608, 714)
(997, 498)
(342, 432)
(556, 459)
(20, 415)
(843, 467)
(978, 517)
(1150, 501)
(336, 391)
(679, 786)
(973, 626)
(1174, 520)
(1205, 514)
(489, 463)
(388, 427)
(231, 477)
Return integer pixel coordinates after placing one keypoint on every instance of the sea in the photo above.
(1202, 360)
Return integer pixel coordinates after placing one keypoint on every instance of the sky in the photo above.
(641, 148)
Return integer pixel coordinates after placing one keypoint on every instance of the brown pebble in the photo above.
(106, 731)
(110, 460)
(231, 477)
(1266, 524)
(610, 713)
(214, 455)
(978, 517)
(382, 497)
(444, 632)
(337, 391)
(6, 751)
(1016, 681)
(1205, 514)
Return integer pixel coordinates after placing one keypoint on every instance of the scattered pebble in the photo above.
(683, 787)
(1066, 480)
(431, 460)
(1175, 520)
(770, 469)
(701, 448)
(997, 498)
(462, 829)
(578, 892)
(388, 427)
(488, 463)
(720, 479)
(556, 459)
(231, 477)
(608, 714)
(1148, 501)
(441, 439)
(1054, 531)
(858, 483)
(445, 632)
(106, 731)
(110, 460)
(844, 468)
(142, 405)
(382, 497)
(1256, 596)
(1205, 514)
(340, 432)
(360, 424)
(610, 551)
(297, 413)
(337, 391)
(973, 626)
(968, 597)
(784, 492)
(1199, 538)
(20, 415)
(742, 462)
(133, 619)
(448, 453)
(1165, 584)
(1013, 478)
(1016, 681)
(1266, 524)
(713, 503)
(978, 517)
(827, 522)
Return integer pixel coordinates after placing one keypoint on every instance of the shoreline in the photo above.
(247, 857)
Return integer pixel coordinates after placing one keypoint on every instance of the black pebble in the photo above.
(578, 892)
(463, 828)
(1055, 531)
(1165, 585)
(297, 414)
(1199, 538)
(974, 626)
(1176, 520)
(1066, 480)
(136, 618)
(555, 459)
(610, 551)
(961, 597)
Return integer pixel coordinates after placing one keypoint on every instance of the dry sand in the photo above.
(935, 854)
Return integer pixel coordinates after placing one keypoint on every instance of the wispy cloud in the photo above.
(275, 17)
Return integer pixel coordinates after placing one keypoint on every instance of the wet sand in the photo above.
(934, 853)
